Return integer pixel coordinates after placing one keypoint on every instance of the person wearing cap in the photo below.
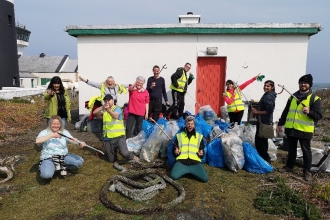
(114, 130)
(188, 150)
(109, 86)
(298, 118)
(179, 87)
(157, 90)
(138, 106)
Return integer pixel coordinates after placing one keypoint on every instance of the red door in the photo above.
(210, 82)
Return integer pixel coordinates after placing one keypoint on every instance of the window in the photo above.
(44, 81)
(10, 20)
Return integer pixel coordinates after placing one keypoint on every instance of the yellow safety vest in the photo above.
(297, 119)
(112, 127)
(237, 103)
(121, 89)
(181, 82)
(189, 148)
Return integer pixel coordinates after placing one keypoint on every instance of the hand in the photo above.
(177, 151)
(180, 87)
(55, 135)
(82, 79)
(82, 144)
(200, 153)
(153, 84)
(167, 103)
(254, 111)
(50, 92)
(146, 116)
(258, 75)
(305, 110)
(279, 128)
(106, 106)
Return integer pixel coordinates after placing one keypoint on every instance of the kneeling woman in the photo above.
(54, 153)
(189, 149)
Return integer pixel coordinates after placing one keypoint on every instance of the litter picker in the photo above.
(170, 139)
(194, 99)
(164, 67)
(283, 88)
(81, 142)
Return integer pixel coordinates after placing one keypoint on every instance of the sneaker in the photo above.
(286, 169)
(308, 176)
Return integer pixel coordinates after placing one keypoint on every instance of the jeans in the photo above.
(132, 118)
(261, 145)
(63, 122)
(113, 145)
(47, 167)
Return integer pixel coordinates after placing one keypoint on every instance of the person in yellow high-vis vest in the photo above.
(299, 117)
(233, 99)
(179, 86)
(113, 130)
(188, 150)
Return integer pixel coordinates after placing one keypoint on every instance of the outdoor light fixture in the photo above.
(211, 50)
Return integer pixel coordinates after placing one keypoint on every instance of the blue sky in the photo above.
(48, 19)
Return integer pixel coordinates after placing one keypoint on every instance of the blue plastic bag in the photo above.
(214, 154)
(253, 162)
(147, 127)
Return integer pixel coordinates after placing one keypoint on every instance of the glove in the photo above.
(260, 78)
(191, 76)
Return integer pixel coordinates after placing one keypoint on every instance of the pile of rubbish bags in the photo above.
(225, 146)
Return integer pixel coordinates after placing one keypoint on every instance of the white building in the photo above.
(278, 51)
(38, 70)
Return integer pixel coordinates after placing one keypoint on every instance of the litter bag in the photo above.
(253, 162)
(147, 127)
(207, 113)
(233, 151)
(214, 154)
(150, 149)
(272, 150)
(171, 129)
(134, 144)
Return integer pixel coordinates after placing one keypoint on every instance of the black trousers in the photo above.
(236, 117)
(305, 145)
(155, 108)
(261, 145)
(178, 101)
(131, 120)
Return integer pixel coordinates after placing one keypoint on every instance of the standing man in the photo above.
(114, 130)
(157, 90)
(299, 120)
(179, 86)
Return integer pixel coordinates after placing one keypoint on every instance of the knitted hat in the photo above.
(307, 78)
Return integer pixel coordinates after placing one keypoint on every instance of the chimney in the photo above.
(42, 55)
(190, 18)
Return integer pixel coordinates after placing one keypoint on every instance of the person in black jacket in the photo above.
(299, 117)
(266, 108)
(157, 90)
(179, 86)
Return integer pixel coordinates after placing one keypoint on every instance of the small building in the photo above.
(44, 68)
(217, 53)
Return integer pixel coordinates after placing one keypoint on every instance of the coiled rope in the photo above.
(141, 191)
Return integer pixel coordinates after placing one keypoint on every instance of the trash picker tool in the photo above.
(243, 67)
(170, 139)
(81, 142)
(164, 67)
(283, 88)
(194, 100)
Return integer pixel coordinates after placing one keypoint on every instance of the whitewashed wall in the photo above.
(281, 58)
(11, 92)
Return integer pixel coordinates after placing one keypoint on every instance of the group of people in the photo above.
(298, 118)
(302, 111)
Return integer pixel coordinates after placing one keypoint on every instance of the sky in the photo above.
(47, 20)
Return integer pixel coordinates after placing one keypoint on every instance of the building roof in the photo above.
(164, 29)
(27, 75)
(46, 64)
(70, 66)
